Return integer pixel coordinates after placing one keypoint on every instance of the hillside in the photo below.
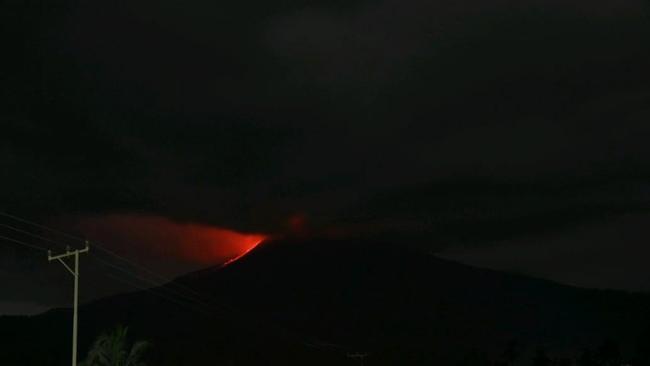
(313, 301)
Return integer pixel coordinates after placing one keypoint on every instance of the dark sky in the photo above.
(506, 134)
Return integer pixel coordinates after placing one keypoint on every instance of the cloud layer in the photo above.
(449, 122)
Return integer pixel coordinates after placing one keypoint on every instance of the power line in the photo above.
(142, 268)
(95, 245)
(244, 318)
(153, 292)
(99, 246)
(35, 247)
(149, 282)
(102, 248)
(212, 303)
(169, 283)
(30, 234)
(106, 263)
(41, 226)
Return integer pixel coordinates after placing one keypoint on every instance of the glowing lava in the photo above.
(241, 255)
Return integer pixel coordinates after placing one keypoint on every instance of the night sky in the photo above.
(505, 134)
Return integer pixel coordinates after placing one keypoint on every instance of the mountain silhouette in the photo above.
(297, 301)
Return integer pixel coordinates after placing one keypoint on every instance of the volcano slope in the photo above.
(316, 300)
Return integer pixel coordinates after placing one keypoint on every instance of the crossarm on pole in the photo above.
(67, 267)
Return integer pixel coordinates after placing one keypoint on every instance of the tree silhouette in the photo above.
(541, 358)
(474, 358)
(562, 361)
(510, 354)
(609, 353)
(586, 358)
(111, 349)
(642, 352)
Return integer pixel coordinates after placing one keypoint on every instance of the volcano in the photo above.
(315, 301)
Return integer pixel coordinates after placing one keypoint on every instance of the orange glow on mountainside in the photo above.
(159, 237)
(242, 255)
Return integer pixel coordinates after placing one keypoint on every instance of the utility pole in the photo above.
(75, 274)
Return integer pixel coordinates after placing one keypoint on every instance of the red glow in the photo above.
(159, 237)
(297, 223)
(241, 255)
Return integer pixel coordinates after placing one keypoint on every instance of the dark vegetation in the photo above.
(114, 349)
